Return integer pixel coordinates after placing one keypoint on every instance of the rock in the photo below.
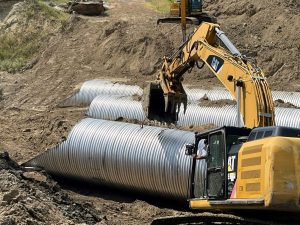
(35, 176)
(8, 221)
(6, 162)
(26, 130)
(10, 196)
(87, 8)
(251, 10)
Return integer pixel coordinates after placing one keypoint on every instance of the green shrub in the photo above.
(160, 5)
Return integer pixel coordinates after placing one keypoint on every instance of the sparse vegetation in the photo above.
(55, 1)
(160, 5)
(16, 49)
(19, 46)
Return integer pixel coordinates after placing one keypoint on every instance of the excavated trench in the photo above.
(134, 157)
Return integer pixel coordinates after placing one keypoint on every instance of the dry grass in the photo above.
(18, 47)
(159, 5)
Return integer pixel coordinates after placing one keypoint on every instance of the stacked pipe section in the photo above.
(145, 159)
(93, 88)
(115, 107)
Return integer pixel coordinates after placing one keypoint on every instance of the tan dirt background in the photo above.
(127, 46)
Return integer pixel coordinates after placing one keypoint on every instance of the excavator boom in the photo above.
(208, 45)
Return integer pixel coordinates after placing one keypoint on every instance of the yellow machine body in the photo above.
(268, 177)
(175, 9)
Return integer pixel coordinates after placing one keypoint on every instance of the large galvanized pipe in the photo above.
(115, 107)
(91, 89)
(112, 108)
(144, 159)
(291, 97)
(194, 95)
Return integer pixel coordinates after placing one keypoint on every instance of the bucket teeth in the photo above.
(173, 102)
(162, 106)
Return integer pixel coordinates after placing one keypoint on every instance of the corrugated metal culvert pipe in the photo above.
(90, 89)
(144, 159)
(114, 107)
(194, 95)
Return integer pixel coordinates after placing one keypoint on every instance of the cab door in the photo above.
(215, 179)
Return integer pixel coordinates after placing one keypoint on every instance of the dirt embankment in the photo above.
(124, 44)
(267, 31)
(34, 198)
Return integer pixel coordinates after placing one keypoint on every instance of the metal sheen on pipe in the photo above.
(144, 159)
(91, 89)
(115, 107)
(112, 108)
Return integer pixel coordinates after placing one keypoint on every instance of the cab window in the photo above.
(216, 150)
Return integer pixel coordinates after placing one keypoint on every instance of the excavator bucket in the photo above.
(160, 106)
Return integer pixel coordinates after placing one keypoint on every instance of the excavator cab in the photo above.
(194, 8)
(194, 13)
(246, 168)
(222, 148)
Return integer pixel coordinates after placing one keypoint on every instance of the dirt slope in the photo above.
(268, 31)
(34, 198)
(127, 45)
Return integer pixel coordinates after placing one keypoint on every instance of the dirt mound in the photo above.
(24, 31)
(265, 30)
(206, 102)
(34, 198)
(281, 103)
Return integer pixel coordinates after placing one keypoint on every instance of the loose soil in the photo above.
(127, 45)
(35, 198)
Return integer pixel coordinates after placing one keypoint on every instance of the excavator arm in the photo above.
(240, 76)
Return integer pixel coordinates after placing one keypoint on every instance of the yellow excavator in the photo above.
(254, 166)
(209, 45)
(186, 12)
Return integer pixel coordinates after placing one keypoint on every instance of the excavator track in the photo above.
(222, 219)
